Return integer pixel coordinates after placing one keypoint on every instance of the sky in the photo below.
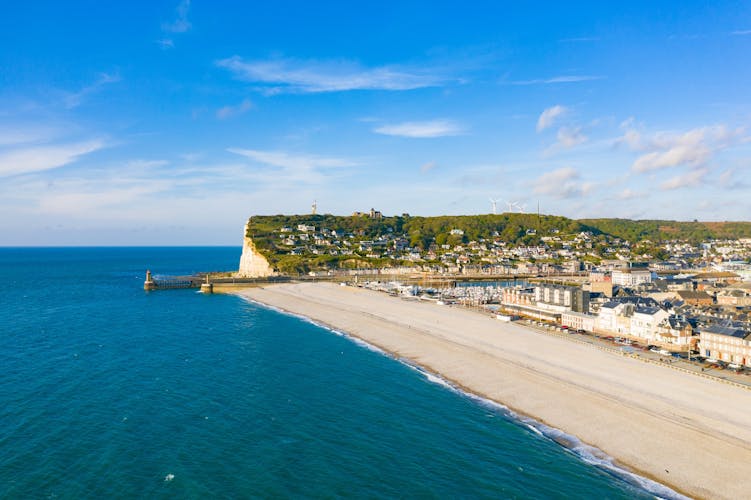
(172, 122)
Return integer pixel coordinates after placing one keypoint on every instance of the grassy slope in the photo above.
(512, 228)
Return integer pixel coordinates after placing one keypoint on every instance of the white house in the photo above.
(645, 320)
(631, 277)
(578, 321)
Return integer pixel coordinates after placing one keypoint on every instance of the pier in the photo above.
(206, 282)
(170, 283)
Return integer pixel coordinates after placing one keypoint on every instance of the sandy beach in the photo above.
(684, 431)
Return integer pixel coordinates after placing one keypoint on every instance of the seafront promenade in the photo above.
(691, 433)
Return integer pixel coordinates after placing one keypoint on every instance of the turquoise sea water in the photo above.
(106, 391)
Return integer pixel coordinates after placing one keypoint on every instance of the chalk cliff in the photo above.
(252, 263)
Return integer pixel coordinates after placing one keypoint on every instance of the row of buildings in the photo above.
(703, 323)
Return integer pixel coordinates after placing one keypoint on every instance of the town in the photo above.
(688, 296)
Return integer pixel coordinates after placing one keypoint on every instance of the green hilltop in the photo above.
(425, 233)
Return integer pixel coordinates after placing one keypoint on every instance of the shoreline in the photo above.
(692, 448)
(585, 452)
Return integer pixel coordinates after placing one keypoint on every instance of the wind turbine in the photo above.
(514, 206)
(493, 203)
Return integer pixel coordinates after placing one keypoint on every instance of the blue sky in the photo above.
(169, 122)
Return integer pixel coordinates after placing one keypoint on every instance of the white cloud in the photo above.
(692, 149)
(548, 117)
(288, 167)
(328, 76)
(729, 179)
(557, 79)
(425, 129)
(427, 167)
(181, 23)
(689, 179)
(741, 32)
(562, 183)
(629, 194)
(38, 158)
(229, 111)
(74, 99)
(568, 137)
(20, 134)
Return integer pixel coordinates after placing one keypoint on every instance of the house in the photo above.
(644, 322)
(726, 343)
(373, 214)
(676, 331)
(611, 318)
(578, 321)
(736, 297)
(571, 298)
(717, 277)
(695, 298)
(616, 315)
(631, 276)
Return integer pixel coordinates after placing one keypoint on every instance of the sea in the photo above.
(108, 391)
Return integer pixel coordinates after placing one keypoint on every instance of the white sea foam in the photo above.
(588, 454)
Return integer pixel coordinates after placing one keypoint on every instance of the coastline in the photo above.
(694, 442)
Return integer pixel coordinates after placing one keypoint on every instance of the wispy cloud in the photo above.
(556, 79)
(20, 134)
(740, 32)
(230, 111)
(295, 167)
(425, 129)
(630, 194)
(568, 137)
(166, 43)
(688, 179)
(181, 23)
(291, 75)
(427, 167)
(287, 160)
(74, 99)
(561, 183)
(729, 179)
(693, 148)
(30, 159)
(548, 117)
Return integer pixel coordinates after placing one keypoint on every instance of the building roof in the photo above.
(726, 330)
(716, 275)
(693, 295)
(637, 301)
(650, 311)
(678, 323)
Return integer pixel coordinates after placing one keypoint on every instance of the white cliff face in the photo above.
(252, 263)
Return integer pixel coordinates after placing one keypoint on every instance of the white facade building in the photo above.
(631, 277)
(644, 322)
